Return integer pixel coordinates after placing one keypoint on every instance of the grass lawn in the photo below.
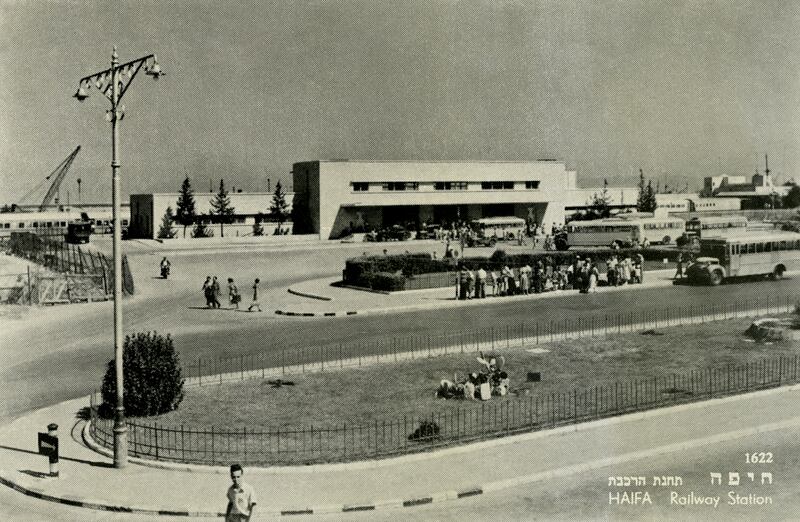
(393, 390)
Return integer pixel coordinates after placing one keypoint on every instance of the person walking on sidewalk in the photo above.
(208, 293)
(241, 497)
(233, 293)
(679, 267)
(255, 303)
(217, 292)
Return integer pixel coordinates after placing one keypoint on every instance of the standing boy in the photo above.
(241, 497)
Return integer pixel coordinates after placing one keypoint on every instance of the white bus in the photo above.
(745, 254)
(713, 226)
(499, 227)
(624, 231)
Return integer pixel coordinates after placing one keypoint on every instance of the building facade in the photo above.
(338, 196)
(148, 210)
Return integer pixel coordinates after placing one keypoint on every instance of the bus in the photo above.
(510, 227)
(713, 226)
(746, 254)
(624, 231)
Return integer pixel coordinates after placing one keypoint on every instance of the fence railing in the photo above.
(62, 257)
(280, 361)
(466, 421)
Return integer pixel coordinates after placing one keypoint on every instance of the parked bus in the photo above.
(745, 254)
(499, 227)
(623, 231)
(713, 226)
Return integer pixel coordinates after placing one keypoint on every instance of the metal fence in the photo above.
(465, 421)
(279, 361)
(66, 258)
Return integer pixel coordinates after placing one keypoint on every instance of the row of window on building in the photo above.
(364, 186)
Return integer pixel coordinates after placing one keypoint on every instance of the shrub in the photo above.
(153, 383)
(387, 282)
(427, 430)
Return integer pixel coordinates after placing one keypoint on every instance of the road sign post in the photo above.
(48, 445)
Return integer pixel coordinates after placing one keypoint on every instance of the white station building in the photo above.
(341, 195)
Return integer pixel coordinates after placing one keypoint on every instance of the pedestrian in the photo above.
(216, 291)
(480, 283)
(241, 497)
(233, 293)
(679, 268)
(255, 302)
(207, 292)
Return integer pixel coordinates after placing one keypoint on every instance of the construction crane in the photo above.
(57, 176)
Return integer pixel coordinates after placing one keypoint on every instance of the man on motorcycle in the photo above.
(165, 264)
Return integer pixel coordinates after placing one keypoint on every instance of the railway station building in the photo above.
(337, 196)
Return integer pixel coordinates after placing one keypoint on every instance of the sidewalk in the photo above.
(87, 478)
(318, 298)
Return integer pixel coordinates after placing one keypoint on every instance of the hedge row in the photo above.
(390, 272)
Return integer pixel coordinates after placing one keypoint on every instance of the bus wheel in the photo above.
(715, 278)
(667, 240)
(778, 272)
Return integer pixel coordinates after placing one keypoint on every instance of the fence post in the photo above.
(199, 372)
(155, 427)
(213, 453)
(30, 297)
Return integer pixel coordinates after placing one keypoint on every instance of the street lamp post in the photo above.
(113, 83)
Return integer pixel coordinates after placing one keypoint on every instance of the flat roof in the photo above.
(755, 235)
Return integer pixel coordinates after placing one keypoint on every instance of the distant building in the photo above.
(759, 193)
(672, 203)
(147, 212)
(342, 195)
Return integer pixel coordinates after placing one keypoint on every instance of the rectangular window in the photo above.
(21, 225)
(360, 186)
(450, 185)
(783, 245)
(497, 185)
(7, 225)
(400, 185)
(532, 185)
(768, 246)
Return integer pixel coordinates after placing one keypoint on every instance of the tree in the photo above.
(166, 232)
(279, 208)
(201, 230)
(650, 199)
(792, 198)
(186, 212)
(646, 200)
(221, 208)
(641, 198)
(153, 381)
(258, 230)
(600, 207)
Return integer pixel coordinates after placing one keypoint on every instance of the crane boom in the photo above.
(59, 173)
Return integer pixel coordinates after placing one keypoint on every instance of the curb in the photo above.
(449, 303)
(315, 314)
(309, 295)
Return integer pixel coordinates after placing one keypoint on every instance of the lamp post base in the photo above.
(120, 441)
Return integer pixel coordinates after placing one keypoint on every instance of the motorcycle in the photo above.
(165, 272)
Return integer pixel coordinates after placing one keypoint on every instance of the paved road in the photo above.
(62, 353)
(70, 348)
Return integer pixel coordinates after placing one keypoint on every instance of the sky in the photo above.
(681, 89)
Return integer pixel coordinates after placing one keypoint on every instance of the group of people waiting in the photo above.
(545, 276)
(481, 385)
(212, 291)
